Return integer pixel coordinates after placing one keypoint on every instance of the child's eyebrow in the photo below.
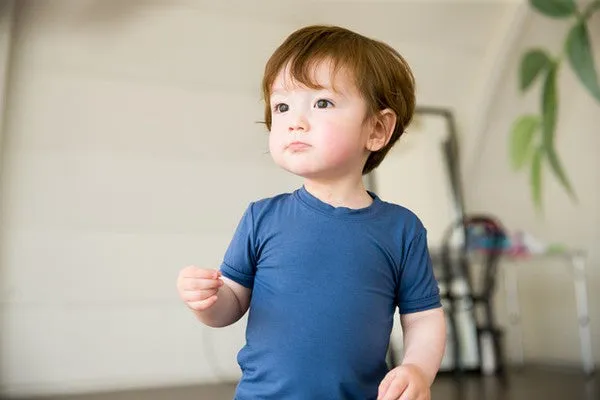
(281, 91)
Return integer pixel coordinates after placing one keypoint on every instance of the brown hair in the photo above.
(382, 75)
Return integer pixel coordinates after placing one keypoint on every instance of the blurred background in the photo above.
(131, 144)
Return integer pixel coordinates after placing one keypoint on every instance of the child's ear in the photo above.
(383, 127)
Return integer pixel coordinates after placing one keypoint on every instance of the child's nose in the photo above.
(298, 123)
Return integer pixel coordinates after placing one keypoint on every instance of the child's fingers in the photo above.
(203, 304)
(409, 394)
(201, 284)
(396, 388)
(195, 272)
(385, 384)
(206, 273)
(199, 295)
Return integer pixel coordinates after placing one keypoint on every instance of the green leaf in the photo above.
(559, 171)
(579, 52)
(535, 178)
(555, 8)
(549, 113)
(532, 63)
(521, 139)
(549, 106)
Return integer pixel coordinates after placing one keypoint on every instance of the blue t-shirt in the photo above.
(325, 283)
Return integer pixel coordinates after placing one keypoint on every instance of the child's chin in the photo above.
(303, 171)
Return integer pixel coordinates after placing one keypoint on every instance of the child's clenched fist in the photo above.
(198, 287)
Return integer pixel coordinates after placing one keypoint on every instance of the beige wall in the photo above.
(6, 27)
(131, 149)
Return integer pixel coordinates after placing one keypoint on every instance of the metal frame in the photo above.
(577, 264)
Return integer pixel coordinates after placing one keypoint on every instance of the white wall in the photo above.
(131, 149)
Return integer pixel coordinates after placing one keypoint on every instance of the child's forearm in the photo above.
(424, 341)
(224, 312)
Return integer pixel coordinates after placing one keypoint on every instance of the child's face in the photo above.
(319, 133)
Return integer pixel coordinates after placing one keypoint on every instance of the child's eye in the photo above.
(281, 107)
(322, 103)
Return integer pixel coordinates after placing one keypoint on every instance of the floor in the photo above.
(527, 384)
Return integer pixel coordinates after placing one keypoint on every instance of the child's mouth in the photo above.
(298, 146)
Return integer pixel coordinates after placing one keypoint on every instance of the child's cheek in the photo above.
(337, 143)
(276, 136)
(275, 145)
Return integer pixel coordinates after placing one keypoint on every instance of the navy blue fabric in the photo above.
(325, 283)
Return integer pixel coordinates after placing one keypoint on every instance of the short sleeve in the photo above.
(239, 262)
(418, 289)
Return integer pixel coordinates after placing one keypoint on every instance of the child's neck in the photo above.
(350, 193)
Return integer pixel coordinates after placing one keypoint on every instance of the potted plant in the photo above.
(532, 139)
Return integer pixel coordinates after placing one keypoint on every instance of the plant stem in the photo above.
(590, 10)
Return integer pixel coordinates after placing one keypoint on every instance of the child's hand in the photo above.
(198, 287)
(406, 382)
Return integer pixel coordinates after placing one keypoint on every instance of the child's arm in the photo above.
(424, 340)
(424, 345)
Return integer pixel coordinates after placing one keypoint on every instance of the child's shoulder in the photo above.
(403, 215)
(272, 200)
(271, 203)
(398, 209)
